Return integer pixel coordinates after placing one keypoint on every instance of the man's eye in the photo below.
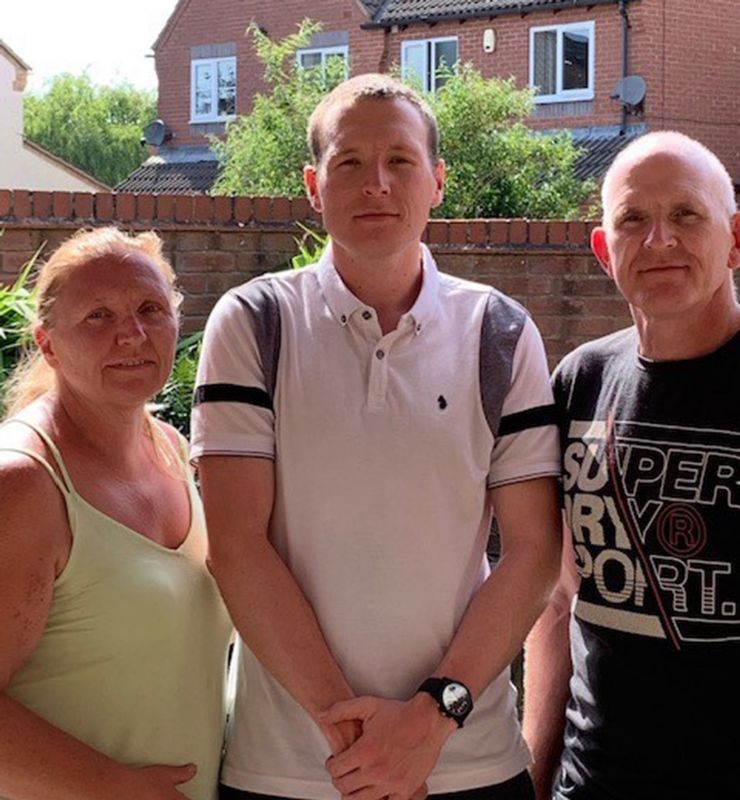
(348, 162)
(685, 213)
(151, 308)
(98, 314)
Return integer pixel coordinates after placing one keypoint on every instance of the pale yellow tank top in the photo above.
(133, 656)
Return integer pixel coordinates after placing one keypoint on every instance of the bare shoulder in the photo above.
(34, 519)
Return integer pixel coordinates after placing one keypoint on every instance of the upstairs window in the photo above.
(561, 62)
(428, 60)
(213, 89)
(319, 57)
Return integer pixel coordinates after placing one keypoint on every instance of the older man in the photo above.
(651, 475)
(355, 423)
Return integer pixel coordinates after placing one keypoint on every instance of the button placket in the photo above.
(378, 385)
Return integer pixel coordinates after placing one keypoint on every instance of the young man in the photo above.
(355, 423)
(651, 473)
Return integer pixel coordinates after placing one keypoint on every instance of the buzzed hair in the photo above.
(673, 143)
(370, 86)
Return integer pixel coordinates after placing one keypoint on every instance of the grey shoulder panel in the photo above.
(259, 300)
(501, 327)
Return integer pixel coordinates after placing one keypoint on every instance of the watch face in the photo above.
(456, 699)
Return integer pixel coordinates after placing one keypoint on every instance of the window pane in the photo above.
(545, 67)
(414, 63)
(203, 91)
(226, 88)
(445, 58)
(575, 60)
(309, 60)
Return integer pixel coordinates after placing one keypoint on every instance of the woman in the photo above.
(112, 632)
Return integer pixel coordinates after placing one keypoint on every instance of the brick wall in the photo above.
(215, 243)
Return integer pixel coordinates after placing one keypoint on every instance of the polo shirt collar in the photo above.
(343, 303)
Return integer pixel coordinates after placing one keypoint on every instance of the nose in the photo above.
(376, 180)
(131, 331)
(660, 235)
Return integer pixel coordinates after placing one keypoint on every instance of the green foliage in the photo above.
(174, 402)
(310, 246)
(17, 309)
(96, 128)
(265, 150)
(496, 166)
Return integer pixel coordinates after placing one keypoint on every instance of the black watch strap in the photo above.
(453, 698)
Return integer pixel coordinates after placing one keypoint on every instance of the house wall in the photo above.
(21, 167)
(687, 52)
(225, 22)
(215, 243)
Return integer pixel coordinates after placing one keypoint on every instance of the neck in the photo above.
(685, 336)
(389, 284)
(113, 434)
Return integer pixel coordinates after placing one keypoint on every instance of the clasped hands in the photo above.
(384, 748)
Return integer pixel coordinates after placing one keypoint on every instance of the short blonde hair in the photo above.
(33, 376)
(370, 86)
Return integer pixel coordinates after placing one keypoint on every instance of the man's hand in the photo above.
(399, 747)
(340, 735)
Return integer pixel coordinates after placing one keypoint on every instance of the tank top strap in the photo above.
(65, 482)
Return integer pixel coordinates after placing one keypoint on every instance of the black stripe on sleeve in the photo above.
(232, 393)
(531, 418)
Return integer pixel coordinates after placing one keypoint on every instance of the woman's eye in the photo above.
(98, 314)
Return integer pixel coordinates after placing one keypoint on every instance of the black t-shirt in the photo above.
(651, 456)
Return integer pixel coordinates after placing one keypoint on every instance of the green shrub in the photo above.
(17, 309)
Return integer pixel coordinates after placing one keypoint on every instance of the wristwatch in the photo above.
(453, 698)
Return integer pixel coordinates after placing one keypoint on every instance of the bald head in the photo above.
(670, 144)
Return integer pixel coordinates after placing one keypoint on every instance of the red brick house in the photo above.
(574, 52)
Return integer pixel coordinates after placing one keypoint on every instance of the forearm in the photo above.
(546, 689)
(39, 761)
(500, 615)
(276, 621)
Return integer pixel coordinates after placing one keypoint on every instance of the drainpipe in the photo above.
(625, 56)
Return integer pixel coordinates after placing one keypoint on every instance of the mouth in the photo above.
(131, 363)
(658, 268)
(375, 216)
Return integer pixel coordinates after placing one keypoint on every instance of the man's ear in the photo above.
(43, 342)
(310, 181)
(440, 170)
(600, 250)
(733, 261)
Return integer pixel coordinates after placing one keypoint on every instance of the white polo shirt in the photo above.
(384, 447)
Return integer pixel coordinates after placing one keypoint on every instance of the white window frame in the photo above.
(565, 95)
(429, 79)
(213, 116)
(326, 52)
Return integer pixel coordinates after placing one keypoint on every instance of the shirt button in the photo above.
(343, 319)
(380, 355)
(367, 314)
(418, 328)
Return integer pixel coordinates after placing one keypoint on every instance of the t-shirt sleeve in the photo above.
(232, 408)
(526, 445)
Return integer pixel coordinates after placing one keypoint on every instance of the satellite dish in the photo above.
(630, 91)
(156, 133)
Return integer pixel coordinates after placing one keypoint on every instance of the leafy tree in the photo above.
(265, 150)
(496, 165)
(96, 128)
